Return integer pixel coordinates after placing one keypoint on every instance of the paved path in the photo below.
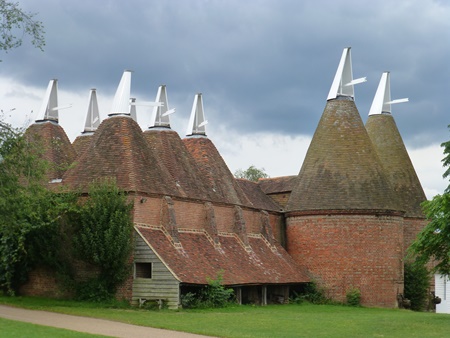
(88, 325)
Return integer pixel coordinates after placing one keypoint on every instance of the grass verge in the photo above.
(12, 328)
(303, 320)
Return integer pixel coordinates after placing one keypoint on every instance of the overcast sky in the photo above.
(264, 68)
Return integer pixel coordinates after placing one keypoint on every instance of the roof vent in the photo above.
(343, 80)
(161, 113)
(49, 108)
(93, 115)
(382, 100)
(197, 123)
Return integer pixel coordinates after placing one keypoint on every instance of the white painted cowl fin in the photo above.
(93, 115)
(343, 80)
(382, 101)
(161, 114)
(121, 100)
(133, 112)
(197, 123)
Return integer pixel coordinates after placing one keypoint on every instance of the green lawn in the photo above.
(303, 320)
(11, 328)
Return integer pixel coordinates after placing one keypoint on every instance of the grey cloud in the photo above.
(262, 65)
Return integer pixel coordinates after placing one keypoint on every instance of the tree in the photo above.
(29, 215)
(15, 24)
(103, 238)
(433, 242)
(251, 174)
(417, 281)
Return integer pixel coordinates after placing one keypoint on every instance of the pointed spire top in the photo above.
(93, 115)
(343, 80)
(160, 115)
(121, 100)
(197, 123)
(49, 108)
(133, 113)
(382, 100)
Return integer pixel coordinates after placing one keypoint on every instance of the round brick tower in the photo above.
(343, 220)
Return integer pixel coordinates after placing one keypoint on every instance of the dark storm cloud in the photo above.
(262, 65)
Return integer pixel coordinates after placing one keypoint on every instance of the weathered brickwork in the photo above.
(412, 227)
(147, 210)
(42, 282)
(190, 215)
(345, 251)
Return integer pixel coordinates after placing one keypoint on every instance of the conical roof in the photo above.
(220, 181)
(118, 149)
(391, 150)
(341, 170)
(51, 137)
(81, 143)
(55, 145)
(168, 147)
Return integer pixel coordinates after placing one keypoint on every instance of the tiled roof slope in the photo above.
(169, 148)
(394, 157)
(199, 259)
(57, 149)
(81, 143)
(118, 149)
(256, 196)
(275, 185)
(341, 170)
(215, 172)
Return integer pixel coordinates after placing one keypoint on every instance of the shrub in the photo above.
(314, 294)
(189, 300)
(213, 295)
(417, 281)
(354, 297)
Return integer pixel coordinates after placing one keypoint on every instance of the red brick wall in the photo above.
(190, 215)
(149, 211)
(344, 251)
(412, 227)
(252, 220)
(43, 283)
(224, 218)
(278, 228)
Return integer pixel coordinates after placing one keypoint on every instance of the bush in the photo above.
(92, 290)
(417, 282)
(103, 238)
(189, 300)
(353, 297)
(213, 295)
(314, 294)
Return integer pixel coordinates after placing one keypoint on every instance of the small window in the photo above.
(142, 270)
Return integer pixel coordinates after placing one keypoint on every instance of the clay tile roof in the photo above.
(275, 185)
(341, 170)
(200, 260)
(256, 196)
(390, 148)
(81, 143)
(118, 149)
(56, 147)
(169, 149)
(215, 172)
